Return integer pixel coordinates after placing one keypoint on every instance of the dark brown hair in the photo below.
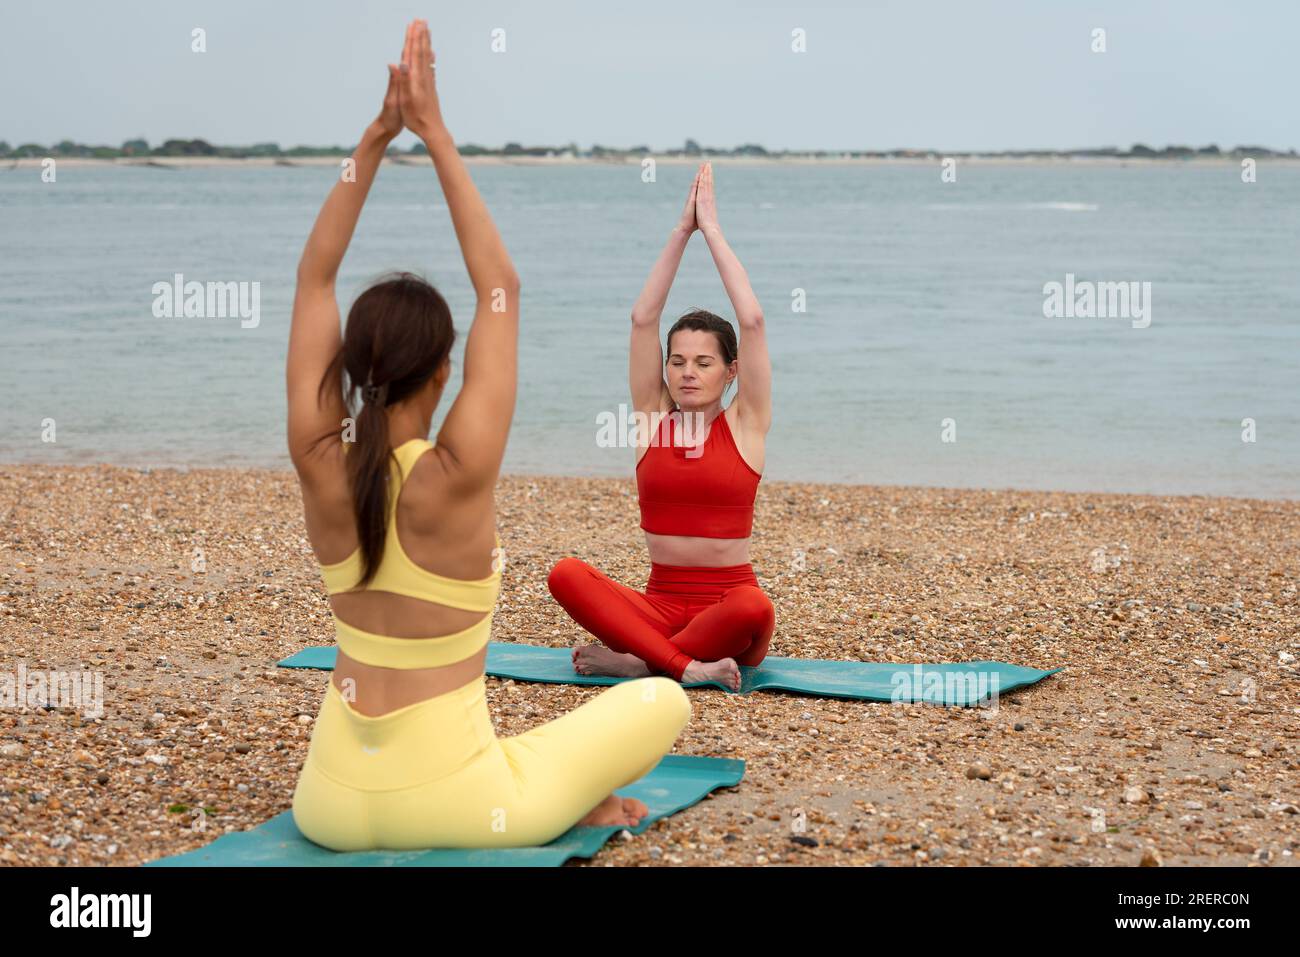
(701, 320)
(398, 334)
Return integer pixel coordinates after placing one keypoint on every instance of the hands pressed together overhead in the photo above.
(411, 100)
(701, 210)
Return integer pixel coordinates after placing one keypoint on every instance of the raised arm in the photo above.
(754, 396)
(646, 357)
(314, 336)
(473, 435)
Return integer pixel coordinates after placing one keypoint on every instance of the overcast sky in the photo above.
(947, 75)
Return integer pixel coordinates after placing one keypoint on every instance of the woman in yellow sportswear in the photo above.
(403, 753)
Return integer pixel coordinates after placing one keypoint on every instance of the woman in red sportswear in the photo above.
(698, 468)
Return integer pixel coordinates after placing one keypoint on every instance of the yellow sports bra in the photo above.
(398, 574)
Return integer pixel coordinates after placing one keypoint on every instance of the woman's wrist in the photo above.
(680, 235)
(377, 134)
(437, 136)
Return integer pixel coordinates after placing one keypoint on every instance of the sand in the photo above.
(1170, 737)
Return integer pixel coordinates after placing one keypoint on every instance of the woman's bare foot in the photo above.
(615, 811)
(599, 660)
(725, 672)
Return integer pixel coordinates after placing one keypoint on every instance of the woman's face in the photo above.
(696, 372)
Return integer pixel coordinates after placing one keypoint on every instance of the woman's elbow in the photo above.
(503, 284)
(310, 274)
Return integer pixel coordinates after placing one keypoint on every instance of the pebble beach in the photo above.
(1170, 737)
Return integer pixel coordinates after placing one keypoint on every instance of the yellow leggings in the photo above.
(434, 774)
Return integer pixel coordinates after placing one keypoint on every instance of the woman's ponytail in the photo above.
(398, 334)
(367, 464)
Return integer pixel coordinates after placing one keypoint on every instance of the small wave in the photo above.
(1064, 206)
(1068, 207)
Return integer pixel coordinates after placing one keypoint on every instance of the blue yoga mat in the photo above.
(677, 782)
(953, 685)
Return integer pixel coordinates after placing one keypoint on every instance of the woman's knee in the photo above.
(566, 577)
(678, 702)
(753, 607)
(669, 707)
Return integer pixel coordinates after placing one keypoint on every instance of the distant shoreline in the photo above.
(171, 470)
(194, 162)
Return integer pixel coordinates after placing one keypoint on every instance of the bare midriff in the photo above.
(697, 551)
(372, 690)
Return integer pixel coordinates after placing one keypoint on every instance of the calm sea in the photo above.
(924, 314)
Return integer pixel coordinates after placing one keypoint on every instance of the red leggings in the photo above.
(686, 613)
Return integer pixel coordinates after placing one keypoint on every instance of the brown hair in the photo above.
(398, 334)
(701, 320)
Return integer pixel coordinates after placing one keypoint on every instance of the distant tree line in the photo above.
(198, 147)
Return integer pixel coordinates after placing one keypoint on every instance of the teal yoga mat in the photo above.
(953, 685)
(677, 782)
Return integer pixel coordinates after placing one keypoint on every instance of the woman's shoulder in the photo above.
(748, 446)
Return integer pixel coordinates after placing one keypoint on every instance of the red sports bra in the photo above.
(707, 492)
